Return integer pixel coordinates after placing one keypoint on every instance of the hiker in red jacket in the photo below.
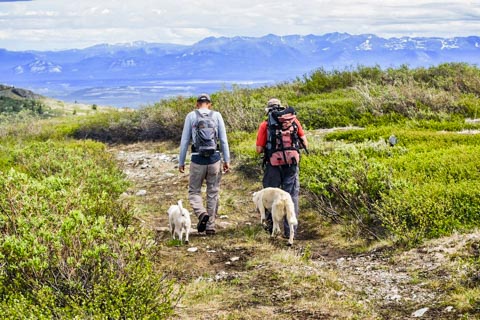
(280, 138)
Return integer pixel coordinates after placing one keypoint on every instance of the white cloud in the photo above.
(41, 14)
(62, 24)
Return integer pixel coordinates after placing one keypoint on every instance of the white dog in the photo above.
(179, 221)
(280, 204)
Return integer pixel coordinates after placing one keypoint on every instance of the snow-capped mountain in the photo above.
(38, 67)
(268, 58)
(271, 56)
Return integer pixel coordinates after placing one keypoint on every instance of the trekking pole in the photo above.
(304, 147)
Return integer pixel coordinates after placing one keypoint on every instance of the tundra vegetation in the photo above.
(71, 246)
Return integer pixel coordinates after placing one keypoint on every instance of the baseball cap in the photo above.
(203, 98)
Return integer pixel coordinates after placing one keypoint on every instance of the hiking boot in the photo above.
(202, 223)
(210, 232)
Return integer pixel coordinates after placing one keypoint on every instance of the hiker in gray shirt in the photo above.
(204, 128)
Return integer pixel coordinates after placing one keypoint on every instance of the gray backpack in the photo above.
(205, 143)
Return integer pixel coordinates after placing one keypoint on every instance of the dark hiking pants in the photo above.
(286, 178)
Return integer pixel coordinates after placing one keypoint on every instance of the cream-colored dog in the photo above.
(179, 221)
(280, 204)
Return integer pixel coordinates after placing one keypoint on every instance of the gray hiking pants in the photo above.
(286, 178)
(212, 174)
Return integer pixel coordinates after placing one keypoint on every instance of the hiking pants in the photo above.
(286, 178)
(212, 174)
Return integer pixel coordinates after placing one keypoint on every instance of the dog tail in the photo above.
(181, 207)
(290, 212)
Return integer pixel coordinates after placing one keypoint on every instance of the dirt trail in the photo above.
(396, 285)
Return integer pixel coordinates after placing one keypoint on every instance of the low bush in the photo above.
(450, 77)
(418, 211)
(345, 183)
(425, 186)
(325, 111)
(10, 105)
(110, 127)
(322, 80)
(68, 247)
(243, 149)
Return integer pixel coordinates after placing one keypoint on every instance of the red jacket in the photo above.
(262, 133)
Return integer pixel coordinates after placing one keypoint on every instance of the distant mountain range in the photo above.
(249, 60)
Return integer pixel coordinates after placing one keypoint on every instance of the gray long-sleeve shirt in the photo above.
(189, 132)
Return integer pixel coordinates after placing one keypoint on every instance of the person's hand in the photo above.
(226, 167)
(181, 169)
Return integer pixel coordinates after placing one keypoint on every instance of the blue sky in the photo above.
(61, 24)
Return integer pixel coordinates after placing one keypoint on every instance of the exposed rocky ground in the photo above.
(389, 284)
(400, 283)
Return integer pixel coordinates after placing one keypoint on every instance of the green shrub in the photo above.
(243, 150)
(451, 77)
(111, 127)
(426, 186)
(418, 211)
(68, 247)
(471, 104)
(321, 80)
(10, 105)
(345, 185)
(439, 189)
(25, 125)
(240, 109)
(326, 112)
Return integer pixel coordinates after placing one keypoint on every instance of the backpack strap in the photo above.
(198, 114)
(201, 115)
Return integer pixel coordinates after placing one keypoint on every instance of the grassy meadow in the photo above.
(72, 247)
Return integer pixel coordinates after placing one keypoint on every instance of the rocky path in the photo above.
(408, 285)
(400, 285)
